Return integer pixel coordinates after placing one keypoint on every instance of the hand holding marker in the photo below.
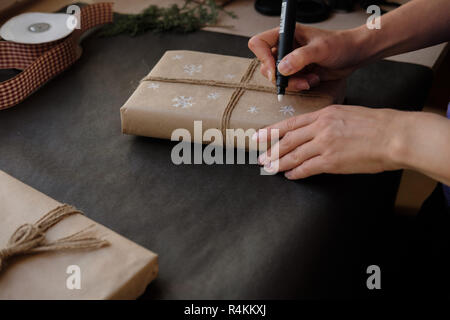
(285, 42)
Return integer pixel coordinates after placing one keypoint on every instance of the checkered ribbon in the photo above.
(41, 62)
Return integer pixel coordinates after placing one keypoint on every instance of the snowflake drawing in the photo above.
(287, 110)
(182, 102)
(213, 95)
(177, 57)
(153, 86)
(192, 68)
(253, 109)
(229, 76)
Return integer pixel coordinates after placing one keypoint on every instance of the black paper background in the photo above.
(221, 231)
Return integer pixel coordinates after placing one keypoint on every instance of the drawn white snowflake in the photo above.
(183, 102)
(229, 76)
(177, 57)
(287, 110)
(253, 109)
(192, 68)
(153, 86)
(213, 95)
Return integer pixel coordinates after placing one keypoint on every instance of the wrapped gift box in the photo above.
(121, 270)
(224, 92)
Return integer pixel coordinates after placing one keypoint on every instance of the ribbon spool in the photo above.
(36, 27)
(40, 62)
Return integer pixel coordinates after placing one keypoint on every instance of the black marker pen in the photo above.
(285, 41)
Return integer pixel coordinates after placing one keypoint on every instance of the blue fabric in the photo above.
(447, 188)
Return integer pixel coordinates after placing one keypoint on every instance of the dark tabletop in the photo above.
(221, 231)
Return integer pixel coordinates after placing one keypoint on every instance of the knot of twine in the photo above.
(30, 238)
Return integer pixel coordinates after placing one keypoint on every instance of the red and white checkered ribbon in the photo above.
(41, 62)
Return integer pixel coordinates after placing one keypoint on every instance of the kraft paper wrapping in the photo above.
(166, 99)
(121, 270)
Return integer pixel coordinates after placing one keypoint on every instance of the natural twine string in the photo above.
(30, 238)
(238, 92)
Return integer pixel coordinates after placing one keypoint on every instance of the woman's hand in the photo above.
(336, 139)
(319, 55)
(352, 139)
(322, 55)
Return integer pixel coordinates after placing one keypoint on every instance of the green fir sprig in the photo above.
(191, 16)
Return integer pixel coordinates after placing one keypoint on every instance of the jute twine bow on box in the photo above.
(239, 89)
(41, 62)
(30, 238)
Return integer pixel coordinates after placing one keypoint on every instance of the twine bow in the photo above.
(30, 238)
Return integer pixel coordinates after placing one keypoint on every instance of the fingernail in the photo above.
(288, 174)
(269, 75)
(313, 80)
(303, 86)
(262, 134)
(285, 66)
(262, 158)
(271, 166)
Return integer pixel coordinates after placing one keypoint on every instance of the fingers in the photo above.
(289, 142)
(294, 158)
(268, 71)
(299, 59)
(274, 52)
(298, 83)
(303, 81)
(262, 45)
(310, 167)
(282, 127)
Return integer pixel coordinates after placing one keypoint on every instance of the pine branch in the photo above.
(191, 16)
